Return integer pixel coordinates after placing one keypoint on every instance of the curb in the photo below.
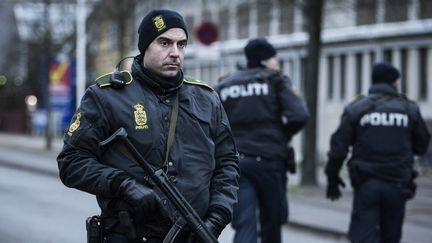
(27, 168)
(317, 230)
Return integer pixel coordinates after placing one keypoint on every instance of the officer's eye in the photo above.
(182, 44)
(164, 43)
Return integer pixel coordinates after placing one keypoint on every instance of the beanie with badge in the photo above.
(257, 50)
(155, 23)
(384, 73)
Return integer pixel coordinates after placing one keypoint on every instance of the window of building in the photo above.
(281, 64)
(366, 12)
(264, 17)
(330, 77)
(223, 22)
(425, 9)
(372, 58)
(404, 70)
(396, 10)
(423, 72)
(190, 26)
(342, 76)
(243, 20)
(388, 55)
(359, 76)
(286, 16)
(303, 66)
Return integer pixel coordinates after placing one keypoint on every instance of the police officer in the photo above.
(264, 112)
(202, 161)
(385, 131)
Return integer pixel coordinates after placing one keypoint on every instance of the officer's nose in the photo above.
(174, 52)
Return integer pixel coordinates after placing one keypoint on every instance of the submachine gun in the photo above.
(186, 215)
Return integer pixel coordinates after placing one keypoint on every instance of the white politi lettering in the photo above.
(245, 90)
(384, 119)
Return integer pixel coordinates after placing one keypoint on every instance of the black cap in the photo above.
(257, 50)
(155, 23)
(384, 73)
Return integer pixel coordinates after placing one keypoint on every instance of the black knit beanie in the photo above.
(155, 23)
(257, 50)
(384, 73)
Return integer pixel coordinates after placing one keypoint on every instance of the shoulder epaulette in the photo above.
(222, 77)
(357, 98)
(106, 79)
(405, 98)
(267, 73)
(190, 80)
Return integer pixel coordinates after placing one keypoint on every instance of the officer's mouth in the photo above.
(172, 66)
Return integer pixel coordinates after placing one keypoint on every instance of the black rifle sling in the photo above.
(171, 131)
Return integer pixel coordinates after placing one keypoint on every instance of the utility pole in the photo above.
(81, 17)
(313, 11)
(48, 48)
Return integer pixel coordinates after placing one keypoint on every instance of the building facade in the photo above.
(355, 35)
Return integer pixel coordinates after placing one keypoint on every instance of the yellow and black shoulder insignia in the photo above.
(190, 80)
(106, 79)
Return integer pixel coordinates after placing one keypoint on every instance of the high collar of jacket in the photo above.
(383, 88)
(258, 71)
(161, 85)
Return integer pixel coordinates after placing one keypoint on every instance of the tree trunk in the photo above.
(313, 12)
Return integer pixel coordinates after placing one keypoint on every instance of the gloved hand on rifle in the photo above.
(333, 190)
(136, 194)
(217, 219)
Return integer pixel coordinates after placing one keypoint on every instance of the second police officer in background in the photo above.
(202, 161)
(385, 131)
(264, 113)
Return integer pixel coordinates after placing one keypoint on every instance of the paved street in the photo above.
(37, 208)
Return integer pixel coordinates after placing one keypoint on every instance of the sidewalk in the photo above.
(309, 210)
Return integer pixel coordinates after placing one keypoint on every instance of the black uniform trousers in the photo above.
(261, 187)
(378, 212)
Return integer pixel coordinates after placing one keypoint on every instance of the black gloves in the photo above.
(333, 191)
(137, 195)
(217, 219)
(290, 161)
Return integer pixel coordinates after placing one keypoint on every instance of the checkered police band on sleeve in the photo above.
(155, 23)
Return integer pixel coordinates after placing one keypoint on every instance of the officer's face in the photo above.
(165, 54)
(271, 63)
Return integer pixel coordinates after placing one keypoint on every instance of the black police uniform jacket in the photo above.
(385, 130)
(263, 110)
(203, 158)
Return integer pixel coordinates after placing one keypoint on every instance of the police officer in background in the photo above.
(265, 113)
(202, 162)
(385, 131)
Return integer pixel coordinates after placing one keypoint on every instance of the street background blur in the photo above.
(53, 49)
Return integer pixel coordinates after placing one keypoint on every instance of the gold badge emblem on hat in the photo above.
(74, 126)
(140, 117)
(159, 23)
